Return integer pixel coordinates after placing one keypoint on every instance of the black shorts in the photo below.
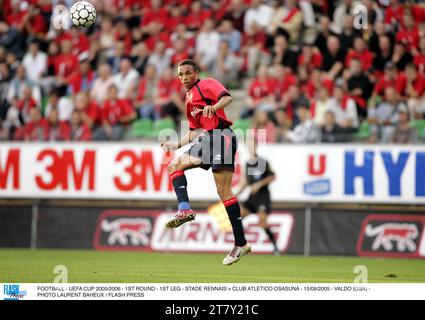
(216, 149)
(258, 203)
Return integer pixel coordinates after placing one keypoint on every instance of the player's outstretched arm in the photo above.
(187, 138)
(262, 183)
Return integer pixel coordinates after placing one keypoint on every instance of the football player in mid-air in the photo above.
(258, 176)
(215, 148)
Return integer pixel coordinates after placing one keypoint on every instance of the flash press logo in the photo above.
(12, 292)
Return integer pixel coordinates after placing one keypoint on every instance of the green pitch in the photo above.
(138, 267)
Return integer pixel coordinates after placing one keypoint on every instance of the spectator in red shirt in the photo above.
(19, 15)
(360, 52)
(282, 79)
(81, 79)
(413, 91)
(391, 78)
(292, 100)
(394, 13)
(180, 51)
(169, 95)
(145, 95)
(311, 82)
(37, 129)
(155, 34)
(418, 11)
(80, 41)
(122, 33)
(196, 16)
(253, 50)
(116, 114)
(260, 94)
(181, 32)
(413, 85)
(89, 109)
(310, 57)
(80, 131)
(26, 104)
(419, 56)
(58, 130)
(175, 18)
(36, 24)
(409, 35)
(66, 63)
(235, 12)
(156, 13)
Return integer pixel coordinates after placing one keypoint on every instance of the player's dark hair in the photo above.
(190, 62)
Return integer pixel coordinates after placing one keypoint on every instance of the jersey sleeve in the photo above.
(214, 90)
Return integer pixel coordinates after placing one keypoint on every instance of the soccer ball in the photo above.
(83, 14)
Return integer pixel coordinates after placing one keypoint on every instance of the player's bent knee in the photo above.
(172, 167)
(176, 165)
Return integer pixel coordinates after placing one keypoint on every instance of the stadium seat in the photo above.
(242, 124)
(141, 128)
(363, 132)
(44, 102)
(162, 124)
(419, 125)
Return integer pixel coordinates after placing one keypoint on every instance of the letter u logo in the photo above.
(316, 168)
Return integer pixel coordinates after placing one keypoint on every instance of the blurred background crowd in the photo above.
(306, 70)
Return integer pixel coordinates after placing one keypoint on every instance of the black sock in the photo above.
(180, 187)
(271, 237)
(234, 212)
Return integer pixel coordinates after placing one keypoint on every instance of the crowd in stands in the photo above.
(313, 70)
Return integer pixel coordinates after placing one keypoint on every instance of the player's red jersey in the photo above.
(205, 92)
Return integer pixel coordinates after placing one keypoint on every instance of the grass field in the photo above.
(138, 267)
